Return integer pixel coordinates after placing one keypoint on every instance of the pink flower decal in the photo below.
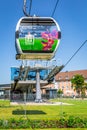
(48, 39)
(54, 34)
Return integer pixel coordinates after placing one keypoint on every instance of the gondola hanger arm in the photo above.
(24, 8)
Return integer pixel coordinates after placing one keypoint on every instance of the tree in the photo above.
(59, 92)
(79, 85)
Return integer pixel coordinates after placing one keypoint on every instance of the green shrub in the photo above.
(71, 121)
(23, 123)
(62, 122)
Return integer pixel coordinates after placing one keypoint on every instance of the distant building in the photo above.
(63, 80)
(5, 91)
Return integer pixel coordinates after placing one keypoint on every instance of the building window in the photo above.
(67, 77)
(1, 93)
(67, 87)
(60, 77)
(62, 87)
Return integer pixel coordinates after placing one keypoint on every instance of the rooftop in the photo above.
(69, 74)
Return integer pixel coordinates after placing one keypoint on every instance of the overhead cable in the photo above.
(55, 8)
(75, 53)
(30, 7)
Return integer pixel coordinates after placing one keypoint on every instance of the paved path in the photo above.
(42, 103)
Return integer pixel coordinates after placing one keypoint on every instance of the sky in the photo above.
(71, 16)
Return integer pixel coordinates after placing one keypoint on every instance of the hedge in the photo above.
(71, 122)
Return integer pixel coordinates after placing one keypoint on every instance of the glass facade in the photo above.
(15, 74)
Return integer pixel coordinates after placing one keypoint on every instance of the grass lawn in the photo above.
(79, 108)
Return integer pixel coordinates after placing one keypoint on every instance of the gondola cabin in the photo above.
(37, 38)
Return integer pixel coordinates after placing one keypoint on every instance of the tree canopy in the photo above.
(78, 83)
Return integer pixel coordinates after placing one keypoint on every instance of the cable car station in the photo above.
(31, 80)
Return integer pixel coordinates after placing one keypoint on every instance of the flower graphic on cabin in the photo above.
(48, 39)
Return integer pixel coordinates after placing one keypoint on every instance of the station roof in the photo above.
(25, 84)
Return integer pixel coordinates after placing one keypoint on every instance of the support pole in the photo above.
(25, 103)
(38, 91)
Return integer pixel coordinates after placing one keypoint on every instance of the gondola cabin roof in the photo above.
(37, 38)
